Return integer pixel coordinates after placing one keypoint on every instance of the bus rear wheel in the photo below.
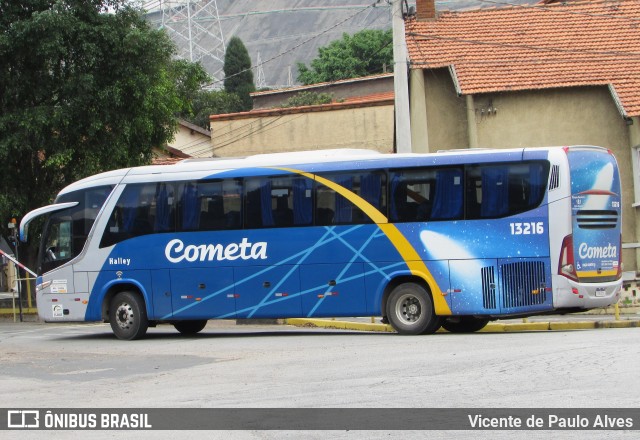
(410, 310)
(128, 316)
(464, 324)
(190, 327)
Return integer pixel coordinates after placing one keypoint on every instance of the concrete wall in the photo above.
(361, 127)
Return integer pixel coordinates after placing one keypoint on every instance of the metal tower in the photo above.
(260, 82)
(194, 25)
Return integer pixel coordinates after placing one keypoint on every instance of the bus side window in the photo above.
(500, 190)
(209, 205)
(278, 202)
(141, 210)
(333, 208)
(411, 195)
(372, 187)
(448, 199)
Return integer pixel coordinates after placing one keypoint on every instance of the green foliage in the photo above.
(213, 102)
(85, 86)
(189, 79)
(199, 104)
(237, 71)
(309, 98)
(361, 54)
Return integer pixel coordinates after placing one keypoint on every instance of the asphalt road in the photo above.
(228, 365)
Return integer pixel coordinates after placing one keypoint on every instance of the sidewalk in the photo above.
(582, 321)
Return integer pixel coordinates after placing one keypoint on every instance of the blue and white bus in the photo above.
(452, 239)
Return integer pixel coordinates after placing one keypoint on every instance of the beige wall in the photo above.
(191, 142)
(571, 116)
(446, 112)
(634, 160)
(363, 127)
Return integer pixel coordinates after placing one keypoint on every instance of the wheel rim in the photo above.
(124, 316)
(408, 309)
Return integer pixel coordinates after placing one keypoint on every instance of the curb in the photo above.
(492, 327)
(341, 325)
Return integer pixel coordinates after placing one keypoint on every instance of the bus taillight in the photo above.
(620, 264)
(566, 265)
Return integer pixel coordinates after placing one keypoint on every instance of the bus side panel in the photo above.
(473, 294)
(55, 302)
(203, 293)
(162, 304)
(265, 292)
(333, 290)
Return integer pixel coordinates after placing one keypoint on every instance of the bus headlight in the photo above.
(44, 285)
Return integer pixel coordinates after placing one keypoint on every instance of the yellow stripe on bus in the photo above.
(595, 273)
(399, 241)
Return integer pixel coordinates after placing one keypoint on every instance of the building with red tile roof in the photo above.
(552, 73)
(529, 47)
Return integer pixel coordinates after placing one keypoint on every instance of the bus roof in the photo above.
(318, 160)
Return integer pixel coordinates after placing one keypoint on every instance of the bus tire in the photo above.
(464, 324)
(128, 316)
(190, 327)
(410, 310)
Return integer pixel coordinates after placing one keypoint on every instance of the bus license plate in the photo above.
(601, 292)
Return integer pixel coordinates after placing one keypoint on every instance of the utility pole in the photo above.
(400, 80)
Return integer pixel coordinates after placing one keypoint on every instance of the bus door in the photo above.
(267, 291)
(473, 287)
(203, 293)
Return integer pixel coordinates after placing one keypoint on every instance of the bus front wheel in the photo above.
(410, 310)
(190, 327)
(128, 316)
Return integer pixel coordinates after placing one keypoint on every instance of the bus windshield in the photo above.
(66, 231)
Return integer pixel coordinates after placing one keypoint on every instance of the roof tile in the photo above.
(536, 47)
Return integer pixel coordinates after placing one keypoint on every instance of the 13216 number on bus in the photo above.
(531, 228)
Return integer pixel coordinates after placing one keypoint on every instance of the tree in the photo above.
(85, 86)
(213, 102)
(200, 103)
(364, 53)
(237, 71)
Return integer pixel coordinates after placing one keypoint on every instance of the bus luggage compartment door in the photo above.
(268, 292)
(203, 293)
(333, 290)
